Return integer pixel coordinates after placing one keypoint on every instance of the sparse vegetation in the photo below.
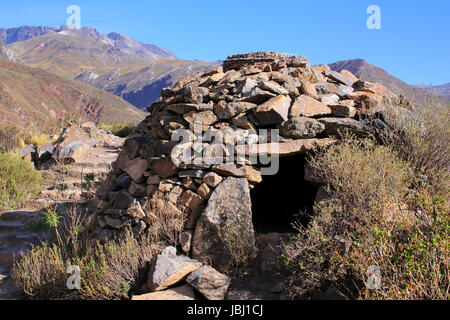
(239, 246)
(165, 224)
(18, 180)
(387, 207)
(109, 270)
(122, 130)
(9, 140)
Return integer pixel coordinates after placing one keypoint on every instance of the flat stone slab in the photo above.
(185, 292)
(283, 149)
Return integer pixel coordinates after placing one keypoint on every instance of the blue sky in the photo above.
(413, 43)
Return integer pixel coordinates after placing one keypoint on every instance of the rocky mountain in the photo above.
(31, 97)
(70, 52)
(116, 40)
(442, 90)
(142, 86)
(112, 62)
(367, 71)
(10, 35)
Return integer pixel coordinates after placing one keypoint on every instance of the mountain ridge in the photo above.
(23, 33)
(366, 71)
(33, 98)
(116, 63)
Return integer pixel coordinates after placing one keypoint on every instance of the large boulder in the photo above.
(274, 111)
(228, 214)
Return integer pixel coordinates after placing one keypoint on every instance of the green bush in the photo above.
(18, 180)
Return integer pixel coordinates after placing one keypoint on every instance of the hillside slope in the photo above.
(116, 63)
(31, 97)
(442, 90)
(367, 71)
(141, 86)
(72, 52)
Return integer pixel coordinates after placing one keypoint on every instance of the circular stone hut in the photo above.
(221, 156)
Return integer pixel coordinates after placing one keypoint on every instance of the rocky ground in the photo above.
(85, 159)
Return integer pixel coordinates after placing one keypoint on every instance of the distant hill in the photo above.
(442, 90)
(2, 49)
(10, 35)
(141, 86)
(70, 52)
(5, 53)
(113, 62)
(364, 70)
(31, 97)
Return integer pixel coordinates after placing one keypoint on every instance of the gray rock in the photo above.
(336, 76)
(26, 150)
(191, 174)
(328, 98)
(333, 126)
(342, 91)
(226, 111)
(184, 292)
(228, 214)
(257, 96)
(169, 269)
(123, 200)
(301, 127)
(212, 284)
(273, 87)
(274, 111)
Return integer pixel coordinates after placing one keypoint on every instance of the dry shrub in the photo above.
(109, 270)
(9, 141)
(363, 180)
(240, 245)
(41, 272)
(413, 257)
(37, 139)
(18, 180)
(376, 215)
(421, 135)
(165, 223)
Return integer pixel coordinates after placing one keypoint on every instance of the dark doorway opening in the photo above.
(282, 199)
